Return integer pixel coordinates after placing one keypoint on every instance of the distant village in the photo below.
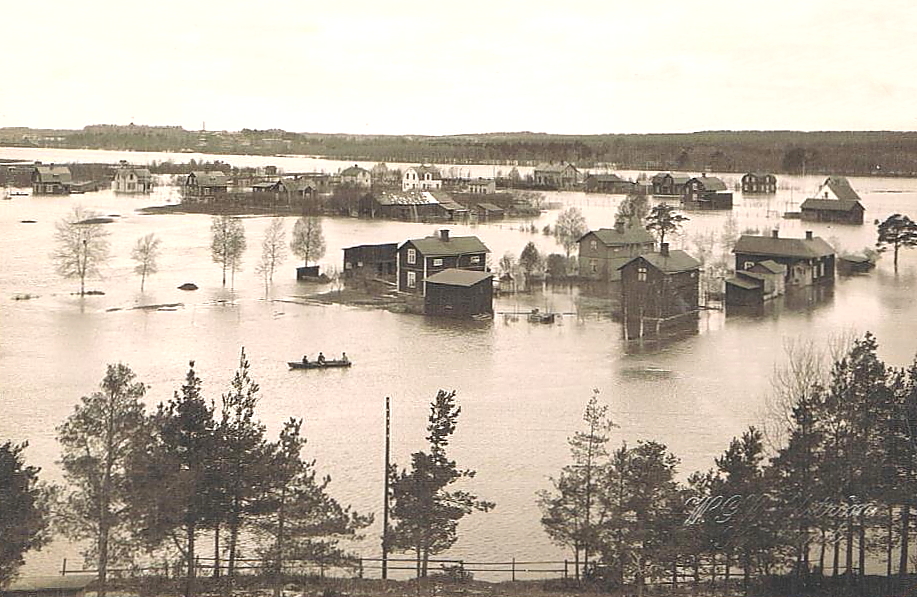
(655, 288)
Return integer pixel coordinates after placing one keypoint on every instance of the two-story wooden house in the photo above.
(602, 251)
(420, 258)
(202, 185)
(482, 186)
(421, 178)
(51, 180)
(659, 291)
(666, 184)
(371, 260)
(556, 176)
(759, 182)
(132, 180)
(608, 183)
(835, 201)
(808, 260)
(356, 176)
(706, 192)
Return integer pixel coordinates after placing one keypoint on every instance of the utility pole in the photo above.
(385, 501)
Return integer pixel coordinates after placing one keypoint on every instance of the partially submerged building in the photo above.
(808, 260)
(603, 251)
(459, 293)
(420, 258)
(835, 201)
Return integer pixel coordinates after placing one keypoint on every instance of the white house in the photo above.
(132, 180)
(421, 178)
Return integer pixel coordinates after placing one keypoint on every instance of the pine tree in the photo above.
(24, 514)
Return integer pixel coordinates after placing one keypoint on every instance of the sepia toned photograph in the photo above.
(480, 299)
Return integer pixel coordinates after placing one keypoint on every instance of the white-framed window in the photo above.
(438, 262)
(749, 264)
(412, 256)
(475, 259)
(593, 245)
(594, 265)
(641, 274)
(412, 279)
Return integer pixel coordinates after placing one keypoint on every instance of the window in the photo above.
(412, 256)
(593, 245)
(437, 262)
(749, 264)
(412, 279)
(641, 274)
(475, 259)
(594, 265)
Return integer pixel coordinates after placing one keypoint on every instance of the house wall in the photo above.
(427, 266)
(799, 271)
(605, 258)
(374, 260)
(670, 297)
(755, 184)
(459, 301)
(854, 216)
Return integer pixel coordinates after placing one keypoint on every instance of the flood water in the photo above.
(522, 387)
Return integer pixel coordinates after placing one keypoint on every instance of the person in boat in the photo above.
(344, 357)
(305, 359)
(321, 359)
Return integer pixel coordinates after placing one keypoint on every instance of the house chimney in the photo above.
(775, 233)
(808, 235)
(444, 235)
(664, 249)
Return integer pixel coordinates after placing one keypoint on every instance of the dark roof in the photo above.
(480, 180)
(371, 246)
(490, 207)
(633, 235)
(840, 186)
(49, 583)
(760, 174)
(606, 178)
(458, 277)
(783, 247)
(141, 173)
(554, 167)
(434, 246)
(658, 177)
(54, 174)
(354, 171)
(445, 199)
(772, 266)
(743, 282)
(855, 258)
(830, 205)
(676, 261)
(210, 178)
(711, 183)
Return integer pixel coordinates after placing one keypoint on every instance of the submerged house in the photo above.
(759, 182)
(808, 260)
(556, 176)
(132, 180)
(420, 258)
(665, 184)
(608, 183)
(706, 192)
(371, 260)
(835, 201)
(659, 291)
(602, 251)
(51, 180)
(459, 293)
(763, 281)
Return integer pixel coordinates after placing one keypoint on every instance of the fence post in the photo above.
(63, 568)
(462, 569)
(514, 569)
(565, 569)
(361, 566)
(321, 568)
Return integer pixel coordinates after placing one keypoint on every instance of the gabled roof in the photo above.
(841, 188)
(759, 174)
(544, 167)
(490, 207)
(711, 183)
(481, 180)
(434, 246)
(744, 282)
(458, 277)
(676, 261)
(392, 246)
(423, 169)
(140, 173)
(606, 178)
(48, 583)
(830, 205)
(633, 235)
(658, 177)
(445, 199)
(783, 247)
(54, 174)
(771, 266)
(210, 178)
(354, 171)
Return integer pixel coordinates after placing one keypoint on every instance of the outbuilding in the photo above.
(459, 293)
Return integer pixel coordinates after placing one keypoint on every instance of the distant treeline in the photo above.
(792, 152)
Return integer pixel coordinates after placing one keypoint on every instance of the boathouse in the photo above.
(759, 182)
(706, 192)
(420, 258)
(51, 180)
(659, 292)
(602, 251)
(459, 293)
(808, 260)
(371, 260)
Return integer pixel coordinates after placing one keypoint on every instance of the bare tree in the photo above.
(81, 245)
(227, 244)
(570, 226)
(308, 241)
(273, 250)
(145, 253)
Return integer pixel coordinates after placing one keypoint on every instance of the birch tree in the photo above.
(146, 254)
(227, 244)
(80, 245)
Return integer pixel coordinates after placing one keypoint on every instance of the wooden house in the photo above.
(808, 260)
(356, 176)
(371, 260)
(608, 183)
(835, 201)
(763, 281)
(706, 192)
(759, 182)
(482, 186)
(421, 178)
(201, 185)
(602, 251)
(488, 211)
(69, 585)
(459, 293)
(556, 176)
(667, 185)
(132, 180)
(659, 291)
(51, 180)
(420, 258)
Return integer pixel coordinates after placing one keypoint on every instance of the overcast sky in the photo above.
(441, 67)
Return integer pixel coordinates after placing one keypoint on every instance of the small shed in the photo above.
(49, 586)
(374, 260)
(459, 293)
